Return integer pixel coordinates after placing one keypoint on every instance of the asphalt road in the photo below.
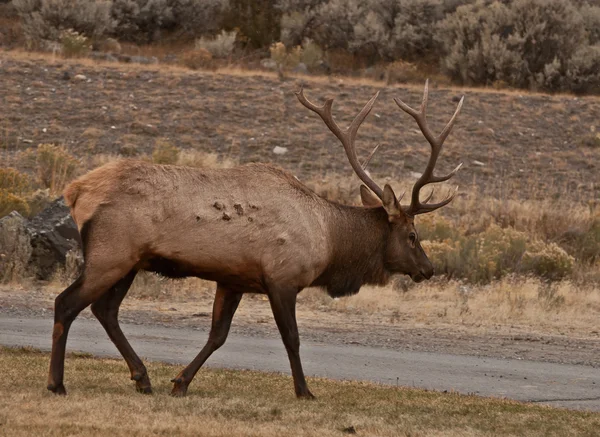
(568, 386)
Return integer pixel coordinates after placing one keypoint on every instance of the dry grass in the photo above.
(245, 403)
(532, 304)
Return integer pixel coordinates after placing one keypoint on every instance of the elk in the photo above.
(251, 229)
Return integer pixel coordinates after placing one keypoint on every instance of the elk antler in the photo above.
(416, 207)
(347, 136)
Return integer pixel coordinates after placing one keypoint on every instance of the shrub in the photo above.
(548, 261)
(473, 40)
(492, 253)
(199, 17)
(535, 44)
(14, 181)
(256, 20)
(591, 22)
(53, 164)
(141, 20)
(10, 202)
(46, 19)
(165, 153)
(308, 53)
(74, 44)
(220, 46)
(197, 58)
(414, 28)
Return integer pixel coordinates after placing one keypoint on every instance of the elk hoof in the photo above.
(58, 389)
(144, 389)
(305, 395)
(179, 389)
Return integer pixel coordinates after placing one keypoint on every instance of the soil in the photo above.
(506, 140)
(254, 318)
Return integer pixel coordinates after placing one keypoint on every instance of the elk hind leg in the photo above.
(87, 288)
(106, 310)
(224, 307)
(283, 304)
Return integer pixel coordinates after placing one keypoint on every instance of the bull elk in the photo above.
(251, 229)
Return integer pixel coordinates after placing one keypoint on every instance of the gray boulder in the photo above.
(53, 234)
(15, 247)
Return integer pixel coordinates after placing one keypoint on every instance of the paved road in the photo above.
(562, 385)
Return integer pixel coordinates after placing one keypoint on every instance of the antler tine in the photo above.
(366, 163)
(347, 136)
(436, 142)
(429, 197)
(426, 207)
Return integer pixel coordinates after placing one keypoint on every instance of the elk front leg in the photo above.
(106, 310)
(283, 305)
(224, 306)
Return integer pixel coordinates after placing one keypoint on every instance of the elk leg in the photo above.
(284, 311)
(224, 306)
(67, 306)
(106, 310)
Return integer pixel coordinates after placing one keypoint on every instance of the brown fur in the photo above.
(253, 228)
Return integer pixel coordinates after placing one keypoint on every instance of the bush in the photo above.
(220, 46)
(415, 27)
(141, 20)
(309, 53)
(44, 20)
(14, 181)
(492, 253)
(199, 17)
(10, 202)
(165, 153)
(548, 261)
(591, 22)
(54, 166)
(528, 44)
(74, 44)
(256, 20)
(197, 59)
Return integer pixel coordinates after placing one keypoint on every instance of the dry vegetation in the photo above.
(225, 403)
(524, 233)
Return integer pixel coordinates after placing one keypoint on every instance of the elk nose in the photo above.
(428, 272)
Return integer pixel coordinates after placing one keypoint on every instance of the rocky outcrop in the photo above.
(15, 247)
(40, 246)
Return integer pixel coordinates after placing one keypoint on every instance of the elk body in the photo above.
(251, 229)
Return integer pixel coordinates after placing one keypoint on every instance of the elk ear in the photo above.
(390, 202)
(369, 199)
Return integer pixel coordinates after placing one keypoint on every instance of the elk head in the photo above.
(404, 253)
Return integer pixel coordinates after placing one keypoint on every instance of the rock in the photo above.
(269, 64)
(143, 60)
(478, 163)
(323, 67)
(66, 75)
(301, 68)
(278, 150)
(100, 56)
(79, 78)
(15, 247)
(53, 234)
(456, 99)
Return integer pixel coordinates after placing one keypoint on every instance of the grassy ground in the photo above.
(224, 403)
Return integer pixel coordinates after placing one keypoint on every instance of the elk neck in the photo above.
(358, 244)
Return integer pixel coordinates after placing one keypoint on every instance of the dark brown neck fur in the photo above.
(359, 243)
